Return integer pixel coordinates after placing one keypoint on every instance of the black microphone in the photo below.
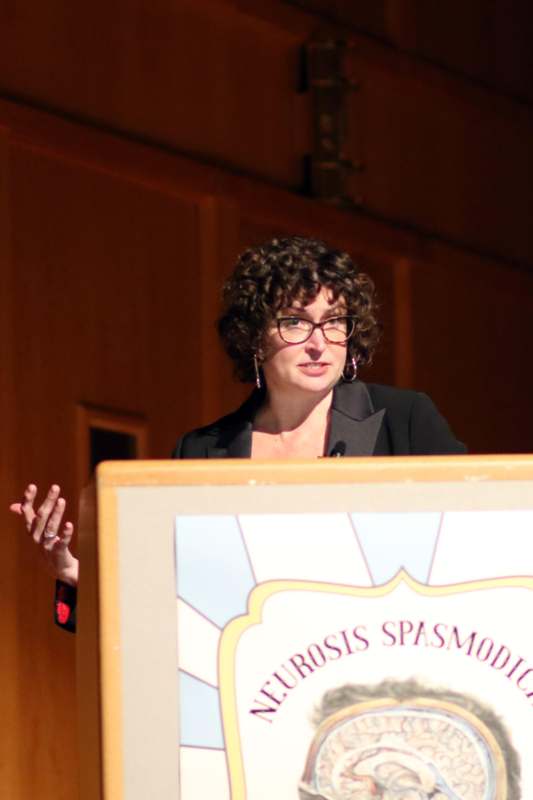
(338, 449)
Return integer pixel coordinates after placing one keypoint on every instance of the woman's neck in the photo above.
(282, 413)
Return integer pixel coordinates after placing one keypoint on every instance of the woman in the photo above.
(299, 320)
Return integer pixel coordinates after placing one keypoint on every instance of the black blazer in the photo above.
(366, 420)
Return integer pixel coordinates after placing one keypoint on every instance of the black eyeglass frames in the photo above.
(296, 330)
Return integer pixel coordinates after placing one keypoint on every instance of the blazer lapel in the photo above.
(234, 439)
(240, 444)
(356, 428)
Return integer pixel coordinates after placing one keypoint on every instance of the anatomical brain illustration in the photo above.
(416, 749)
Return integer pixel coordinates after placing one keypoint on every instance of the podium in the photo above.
(342, 628)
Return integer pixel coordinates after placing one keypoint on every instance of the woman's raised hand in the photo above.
(49, 533)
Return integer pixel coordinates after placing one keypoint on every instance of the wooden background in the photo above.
(143, 144)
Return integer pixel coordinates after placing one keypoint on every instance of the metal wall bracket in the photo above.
(329, 87)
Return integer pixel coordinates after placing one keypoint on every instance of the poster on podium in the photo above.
(349, 631)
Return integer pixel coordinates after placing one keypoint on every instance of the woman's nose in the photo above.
(316, 341)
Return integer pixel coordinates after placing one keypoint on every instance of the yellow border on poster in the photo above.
(258, 597)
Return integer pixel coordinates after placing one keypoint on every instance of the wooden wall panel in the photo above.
(9, 702)
(489, 42)
(219, 248)
(218, 80)
(440, 156)
(472, 336)
(484, 42)
(104, 306)
(37, 664)
(109, 264)
(196, 76)
(369, 16)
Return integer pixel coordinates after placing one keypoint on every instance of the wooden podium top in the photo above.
(327, 470)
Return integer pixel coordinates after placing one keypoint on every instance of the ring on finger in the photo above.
(49, 535)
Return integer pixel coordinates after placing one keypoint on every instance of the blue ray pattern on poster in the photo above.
(200, 722)
(212, 567)
(392, 541)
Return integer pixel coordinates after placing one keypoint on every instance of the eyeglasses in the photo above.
(295, 330)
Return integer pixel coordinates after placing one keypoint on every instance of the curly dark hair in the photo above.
(270, 276)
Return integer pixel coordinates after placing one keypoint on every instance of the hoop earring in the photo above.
(257, 373)
(350, 371)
